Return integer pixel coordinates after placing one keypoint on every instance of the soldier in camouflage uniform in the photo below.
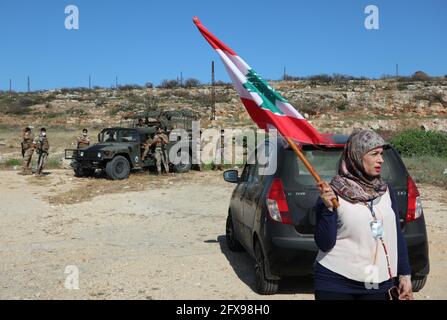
(27, 150)
(42, 146)
(146, 147)
(160, 141)
(83, 141)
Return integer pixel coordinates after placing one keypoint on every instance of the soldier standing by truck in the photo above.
(160, 141)
(83, 141)
(27, 150)
(42, 146)
(140, 123)
(146, 146)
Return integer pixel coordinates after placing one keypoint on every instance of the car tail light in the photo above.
(414, 206)
(277, 203)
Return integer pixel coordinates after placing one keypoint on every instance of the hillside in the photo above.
(331, 106)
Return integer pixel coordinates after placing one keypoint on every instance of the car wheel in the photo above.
(118, 168)
(418, 283)
(264, 286)
(232, 243)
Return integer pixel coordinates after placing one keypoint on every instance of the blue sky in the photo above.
(141, 41)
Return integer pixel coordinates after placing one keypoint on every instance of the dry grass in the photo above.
(88, 188)
(426, 169)
(59, 138)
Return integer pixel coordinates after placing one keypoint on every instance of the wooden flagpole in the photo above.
(308, 166)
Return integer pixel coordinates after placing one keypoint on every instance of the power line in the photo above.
(213, 94)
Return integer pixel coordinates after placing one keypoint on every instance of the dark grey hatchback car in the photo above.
(272, 216)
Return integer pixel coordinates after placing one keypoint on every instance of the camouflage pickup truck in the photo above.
(119, 150)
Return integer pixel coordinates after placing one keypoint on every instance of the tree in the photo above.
(169, 84)
(191, 82)
(420, 76)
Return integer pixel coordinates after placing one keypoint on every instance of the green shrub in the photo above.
(402, 86)
(420, 76)
(130, 87)
(19, 103)
(54, 163)
(13, 162)
(190, 83)
(342, 106)
(212, 166)
(169, 84)
(421, 143)
(227, 84)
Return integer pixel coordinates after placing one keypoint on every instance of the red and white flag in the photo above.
(265, 105)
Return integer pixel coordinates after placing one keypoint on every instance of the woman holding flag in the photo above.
(361, 245)
(362, 249)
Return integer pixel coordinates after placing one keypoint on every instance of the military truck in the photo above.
(119, 151)
(168, 120)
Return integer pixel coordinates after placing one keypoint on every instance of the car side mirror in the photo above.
(98, 138)
(231, 176)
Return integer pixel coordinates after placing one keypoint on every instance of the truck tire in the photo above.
(81, 172)
(118, 168)
(78, 172)
(182, 167)
(90, 172)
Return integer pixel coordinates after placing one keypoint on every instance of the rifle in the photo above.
(23, 150)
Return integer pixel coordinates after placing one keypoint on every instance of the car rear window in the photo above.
(326, 161)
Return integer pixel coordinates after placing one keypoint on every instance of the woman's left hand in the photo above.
(405, 288)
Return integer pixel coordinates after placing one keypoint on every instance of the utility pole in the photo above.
(284, 74)
(181, 79)
(10, 86)
(29, 85)
(213, 94)
(89, 82)
(397, 70)
(116, 82)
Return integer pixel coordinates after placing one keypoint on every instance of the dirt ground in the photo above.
(147, 237)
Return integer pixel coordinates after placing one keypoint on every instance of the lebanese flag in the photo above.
(265, 105)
